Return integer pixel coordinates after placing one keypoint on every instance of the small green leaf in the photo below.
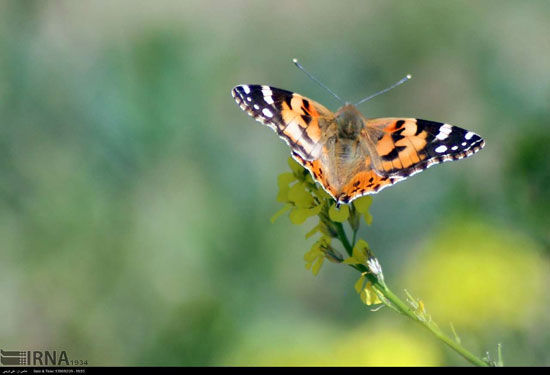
(339, 215)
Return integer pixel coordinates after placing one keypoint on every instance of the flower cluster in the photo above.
(304, 198)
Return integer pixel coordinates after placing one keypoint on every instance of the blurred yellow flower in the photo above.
(387, 346)
(473, 275)
(316, 343)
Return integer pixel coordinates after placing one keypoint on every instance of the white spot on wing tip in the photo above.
(267, 112)
(469, 135)
(246, 89)
(444, 132)
(446, 128)
(441, 149)
(266, 91)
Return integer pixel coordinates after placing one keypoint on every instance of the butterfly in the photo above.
(348, 154)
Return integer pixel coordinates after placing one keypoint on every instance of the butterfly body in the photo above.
(347, 153)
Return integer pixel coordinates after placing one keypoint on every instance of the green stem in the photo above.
(343, 238)
(402, 307)
(354, 238)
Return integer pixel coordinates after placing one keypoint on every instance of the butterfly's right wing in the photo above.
(301, 122)
(406, 146)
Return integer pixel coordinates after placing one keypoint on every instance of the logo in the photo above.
(13, 358)
(38, 358)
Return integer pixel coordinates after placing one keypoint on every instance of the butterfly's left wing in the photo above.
(301, 122)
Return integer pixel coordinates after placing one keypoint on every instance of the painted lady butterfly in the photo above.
(348, 154)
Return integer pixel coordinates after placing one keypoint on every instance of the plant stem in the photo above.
(343, 238)
(404, 308)
(354, 238)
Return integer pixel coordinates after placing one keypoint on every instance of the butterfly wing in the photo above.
(301, 122)
(408, 145)
(402, 147)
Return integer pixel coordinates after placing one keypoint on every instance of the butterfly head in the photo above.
(350, 121)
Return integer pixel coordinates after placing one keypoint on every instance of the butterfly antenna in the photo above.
(295, 61)
(401, 81)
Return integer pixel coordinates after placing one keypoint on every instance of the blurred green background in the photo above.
(135, 196)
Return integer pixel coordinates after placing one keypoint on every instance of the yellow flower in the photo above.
(297, 198)
(338, 215)
(283, 181)
(366, 291)
(359, 254)
(316, 255)
(369, 296)
(362, 206)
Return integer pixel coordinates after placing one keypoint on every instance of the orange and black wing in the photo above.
(408, 145)
(301, 122)
(402, 147)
